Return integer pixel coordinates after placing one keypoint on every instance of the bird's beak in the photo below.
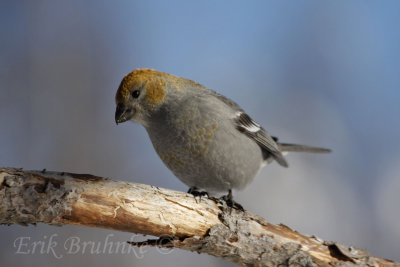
(122, 114)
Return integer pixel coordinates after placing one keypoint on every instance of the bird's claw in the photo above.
(230, 202)
(196, 193)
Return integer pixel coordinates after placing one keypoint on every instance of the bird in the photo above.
(207, 140)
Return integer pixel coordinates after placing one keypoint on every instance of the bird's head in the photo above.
(144, 91)
(140, 93)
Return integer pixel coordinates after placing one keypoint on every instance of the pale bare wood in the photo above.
(180, 220)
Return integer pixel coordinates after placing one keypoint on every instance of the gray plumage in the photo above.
(204, 138)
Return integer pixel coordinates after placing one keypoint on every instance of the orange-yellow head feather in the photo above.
(152, 81)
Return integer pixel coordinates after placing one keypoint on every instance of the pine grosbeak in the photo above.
(204, 138)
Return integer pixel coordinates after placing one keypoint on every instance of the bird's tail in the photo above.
(301, 148)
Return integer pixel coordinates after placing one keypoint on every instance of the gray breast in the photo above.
(199, 143)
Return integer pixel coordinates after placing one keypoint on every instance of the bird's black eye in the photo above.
(135, 94)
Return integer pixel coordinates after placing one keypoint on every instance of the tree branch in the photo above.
(206, 225)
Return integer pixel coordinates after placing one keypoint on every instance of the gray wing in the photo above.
(255, 132)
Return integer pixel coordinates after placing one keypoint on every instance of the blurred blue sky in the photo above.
(322, 73)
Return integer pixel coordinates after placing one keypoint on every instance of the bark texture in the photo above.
(178, 219)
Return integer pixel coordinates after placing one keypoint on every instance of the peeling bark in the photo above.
(178, 219)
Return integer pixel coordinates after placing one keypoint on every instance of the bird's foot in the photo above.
(196, 193)
(230, 202)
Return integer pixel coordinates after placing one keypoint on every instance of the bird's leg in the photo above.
(230, 202)
(196, 193)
